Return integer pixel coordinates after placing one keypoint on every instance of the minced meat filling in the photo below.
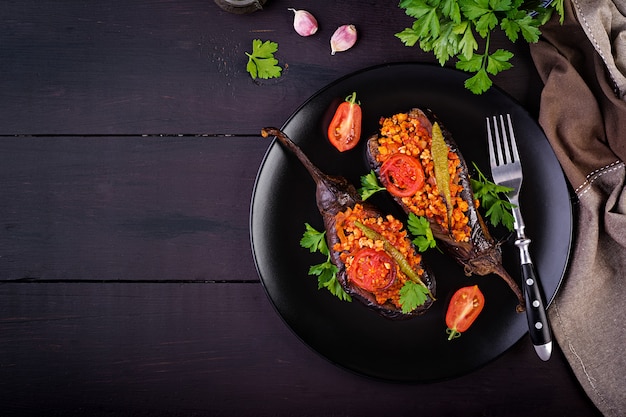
(352, 239)
(401, 133)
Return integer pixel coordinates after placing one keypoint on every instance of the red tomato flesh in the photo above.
(344, 131)
(402, 175)
(372, 270)
(465, 306)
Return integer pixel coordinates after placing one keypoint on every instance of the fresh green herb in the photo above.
(369, 185)
(326, 272)
(261, 62)
(449, 28)
(419, 227)
(558, 5)
(412, 295)
(313, 240)
(497, 206)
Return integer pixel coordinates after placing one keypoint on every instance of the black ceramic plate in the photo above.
(349, 334)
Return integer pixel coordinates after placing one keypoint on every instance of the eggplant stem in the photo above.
(288, 143)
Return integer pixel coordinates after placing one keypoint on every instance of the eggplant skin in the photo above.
(481, 255)
(336, 194)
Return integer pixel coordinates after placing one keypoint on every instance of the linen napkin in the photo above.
(582, 63)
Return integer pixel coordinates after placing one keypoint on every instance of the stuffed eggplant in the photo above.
(374, 256)
(420, 165)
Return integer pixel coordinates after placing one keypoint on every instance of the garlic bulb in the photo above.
(343, 39)
(304, 22)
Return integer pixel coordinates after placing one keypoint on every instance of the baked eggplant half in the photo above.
(416, 159)
(372, 252)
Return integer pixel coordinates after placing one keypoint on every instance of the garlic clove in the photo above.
(343, 39)
(304, 22)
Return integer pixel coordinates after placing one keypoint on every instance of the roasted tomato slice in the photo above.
(465, 306)
(402, 175)
(372, 270)
(344, 130)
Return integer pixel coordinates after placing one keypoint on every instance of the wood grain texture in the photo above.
(179, 66)
(184, 349)
(128, 152)
(127, 208)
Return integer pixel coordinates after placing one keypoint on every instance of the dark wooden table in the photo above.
(128, 153)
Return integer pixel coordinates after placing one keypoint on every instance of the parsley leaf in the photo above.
(261, 62)
(314, 240)
(499, 61)
(326, 272)
(479, 82)
(448, 29)
(420, 228)
(412, 295)
(497, 206)
(517, 21)
(558, 6)
(450, 9)
(467, 44)
(369, 185)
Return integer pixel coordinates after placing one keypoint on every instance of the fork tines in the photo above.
(506, 146)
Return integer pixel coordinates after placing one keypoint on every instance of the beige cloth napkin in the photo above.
(583, 113)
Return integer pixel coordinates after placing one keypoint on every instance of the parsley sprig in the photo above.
(419, 227)
(449, 29)
(412, 295)
(326, 272)
(261, 62)
(369, 185)
(492, 198)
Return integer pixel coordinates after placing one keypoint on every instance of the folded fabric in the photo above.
(582, 63)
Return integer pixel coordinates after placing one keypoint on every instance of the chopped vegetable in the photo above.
(344, 130)
(411, 135)
(403, 263)
(261, 62)
(326, 272)
(372, 270)
(402, 175)
(369, 185)
(383, 268)
(498, 208)
(464, 308)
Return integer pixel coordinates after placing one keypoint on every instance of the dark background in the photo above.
(128, 152)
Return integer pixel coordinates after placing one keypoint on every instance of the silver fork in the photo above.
(506, 170)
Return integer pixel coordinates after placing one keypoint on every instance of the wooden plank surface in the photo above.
(127, 208)
(128, 153)
(220, 349)
(179, 66)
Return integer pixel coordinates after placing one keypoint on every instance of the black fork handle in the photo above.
(538, 325)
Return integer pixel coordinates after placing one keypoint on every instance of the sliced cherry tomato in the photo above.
(344, 130)
(402, 175)
(372, 270)
(465, 306)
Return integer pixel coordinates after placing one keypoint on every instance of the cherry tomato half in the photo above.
(402, 175)
(465, 306)
(344, 130)
(372, 270)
